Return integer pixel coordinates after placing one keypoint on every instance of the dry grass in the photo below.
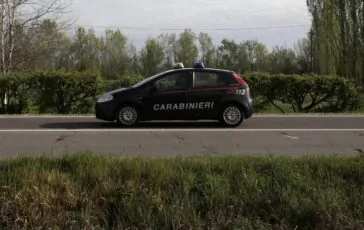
(94, 192)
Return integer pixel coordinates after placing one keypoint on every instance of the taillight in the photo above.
(239, 79)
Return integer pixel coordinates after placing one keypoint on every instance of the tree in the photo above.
(257, 55)
(169, 43)
(19, 15)
(152, 57)
(304, 55)
(186, 48)
(114, 54)
(283, 60)
(228, 55)
(85, 51)
(207, 49)
(337, 38)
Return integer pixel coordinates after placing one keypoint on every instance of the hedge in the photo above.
(54, 92)
(304, 93)
(76, 92)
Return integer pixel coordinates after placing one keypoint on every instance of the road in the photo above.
(285, 135)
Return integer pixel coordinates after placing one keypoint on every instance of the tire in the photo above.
(236, 116)
(127, 116)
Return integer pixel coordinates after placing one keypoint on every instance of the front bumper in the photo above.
(104, 111)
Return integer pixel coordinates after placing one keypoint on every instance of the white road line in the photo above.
(291, 137)
(179, 130)
(45, 116)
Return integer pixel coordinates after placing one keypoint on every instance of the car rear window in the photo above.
(210, 79)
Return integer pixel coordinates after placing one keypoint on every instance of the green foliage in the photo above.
(113, 55)
(49, 92)
(337, 38)
(65, 92)
(334, 45)
(240, 192)
(75, 92)
(17, 87)
(303, 93)
(128, 80)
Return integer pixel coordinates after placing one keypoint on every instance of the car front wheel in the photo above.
(128, 116)
(231, 116)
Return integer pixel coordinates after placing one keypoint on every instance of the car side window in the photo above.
(209, 79)
(173, 81)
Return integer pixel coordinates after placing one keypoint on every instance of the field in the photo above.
(86, 191)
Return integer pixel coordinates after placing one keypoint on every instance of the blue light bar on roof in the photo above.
(198, 65)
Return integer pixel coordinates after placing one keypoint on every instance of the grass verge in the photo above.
(86, 191)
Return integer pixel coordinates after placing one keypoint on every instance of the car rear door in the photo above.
(166, 101)
(209, 88)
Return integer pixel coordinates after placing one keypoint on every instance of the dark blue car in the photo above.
(195, 93)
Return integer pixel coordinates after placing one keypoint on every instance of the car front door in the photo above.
(168, 96)
(209, 88)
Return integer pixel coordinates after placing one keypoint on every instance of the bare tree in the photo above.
(22, 14)
(18, 15)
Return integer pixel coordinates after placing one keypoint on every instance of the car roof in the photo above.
(161, 74)
(201, 69)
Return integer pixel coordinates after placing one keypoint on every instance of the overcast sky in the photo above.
(241, 15)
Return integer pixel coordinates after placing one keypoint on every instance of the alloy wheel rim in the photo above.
(128, 115)
(232, 115)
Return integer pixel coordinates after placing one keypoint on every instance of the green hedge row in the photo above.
(55, 92)
(75, 92)
(303, 93)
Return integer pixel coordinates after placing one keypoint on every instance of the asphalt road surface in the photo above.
(287, 135)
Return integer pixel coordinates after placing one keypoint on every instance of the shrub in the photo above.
(65, 92)
(108, 85)
(304, 93)
(76, 92)
(18, 87)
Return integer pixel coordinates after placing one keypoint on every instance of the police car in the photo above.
(196, 93)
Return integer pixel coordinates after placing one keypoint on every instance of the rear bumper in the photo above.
(248, 113)
(249, 110)
(104, 111)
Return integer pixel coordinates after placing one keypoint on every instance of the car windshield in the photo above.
(149, 79)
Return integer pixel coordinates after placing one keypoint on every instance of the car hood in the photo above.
(118, 90)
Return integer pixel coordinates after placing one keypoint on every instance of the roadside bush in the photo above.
(18, 88)
(233, 192)
(75, 92)
(303, 93)
(65, 92)
(126, 81)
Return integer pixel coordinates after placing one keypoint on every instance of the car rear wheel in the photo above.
(128, 116)
(231, 116)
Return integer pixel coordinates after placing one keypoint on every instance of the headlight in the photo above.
(105, 98)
